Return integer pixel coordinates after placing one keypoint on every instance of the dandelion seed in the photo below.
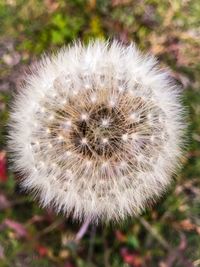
(120, 88)
(54, 165)
(93, 98)
(105, 122)
(113, 131)
(42, 110)
(104, 165)
(87, 86)
(69, 172)
(75, 92)
(68, 124)
(105, 140)
(51, 117)
(64, 101)
(112, 103)
(133, 116)
(60, 137)
(68, 153)
(84, 116)
(84, 141)
(153, 138)
(50, 145)
(123, 164)
(88, 163)
(125, 137)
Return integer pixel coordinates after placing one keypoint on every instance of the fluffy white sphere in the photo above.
(97, 131)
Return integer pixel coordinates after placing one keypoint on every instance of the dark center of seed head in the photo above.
(102, 140)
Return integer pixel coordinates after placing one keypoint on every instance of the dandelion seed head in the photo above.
(105, 125)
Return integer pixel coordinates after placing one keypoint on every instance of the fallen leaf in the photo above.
(131, 258)
(187, 225)
(42, 250)
(120, 236)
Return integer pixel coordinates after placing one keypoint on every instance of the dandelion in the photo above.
(97, 131)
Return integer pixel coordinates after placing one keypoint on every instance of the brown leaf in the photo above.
(120, 236)
(187, 225)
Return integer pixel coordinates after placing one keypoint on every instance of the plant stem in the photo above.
(83, 229)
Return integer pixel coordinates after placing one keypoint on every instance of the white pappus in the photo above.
(97, 131)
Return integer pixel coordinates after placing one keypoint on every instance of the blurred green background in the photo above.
(168, 234)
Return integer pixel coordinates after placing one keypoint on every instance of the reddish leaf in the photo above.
(42, 251)
(131, 258)
(3, 172)
(17, 227)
